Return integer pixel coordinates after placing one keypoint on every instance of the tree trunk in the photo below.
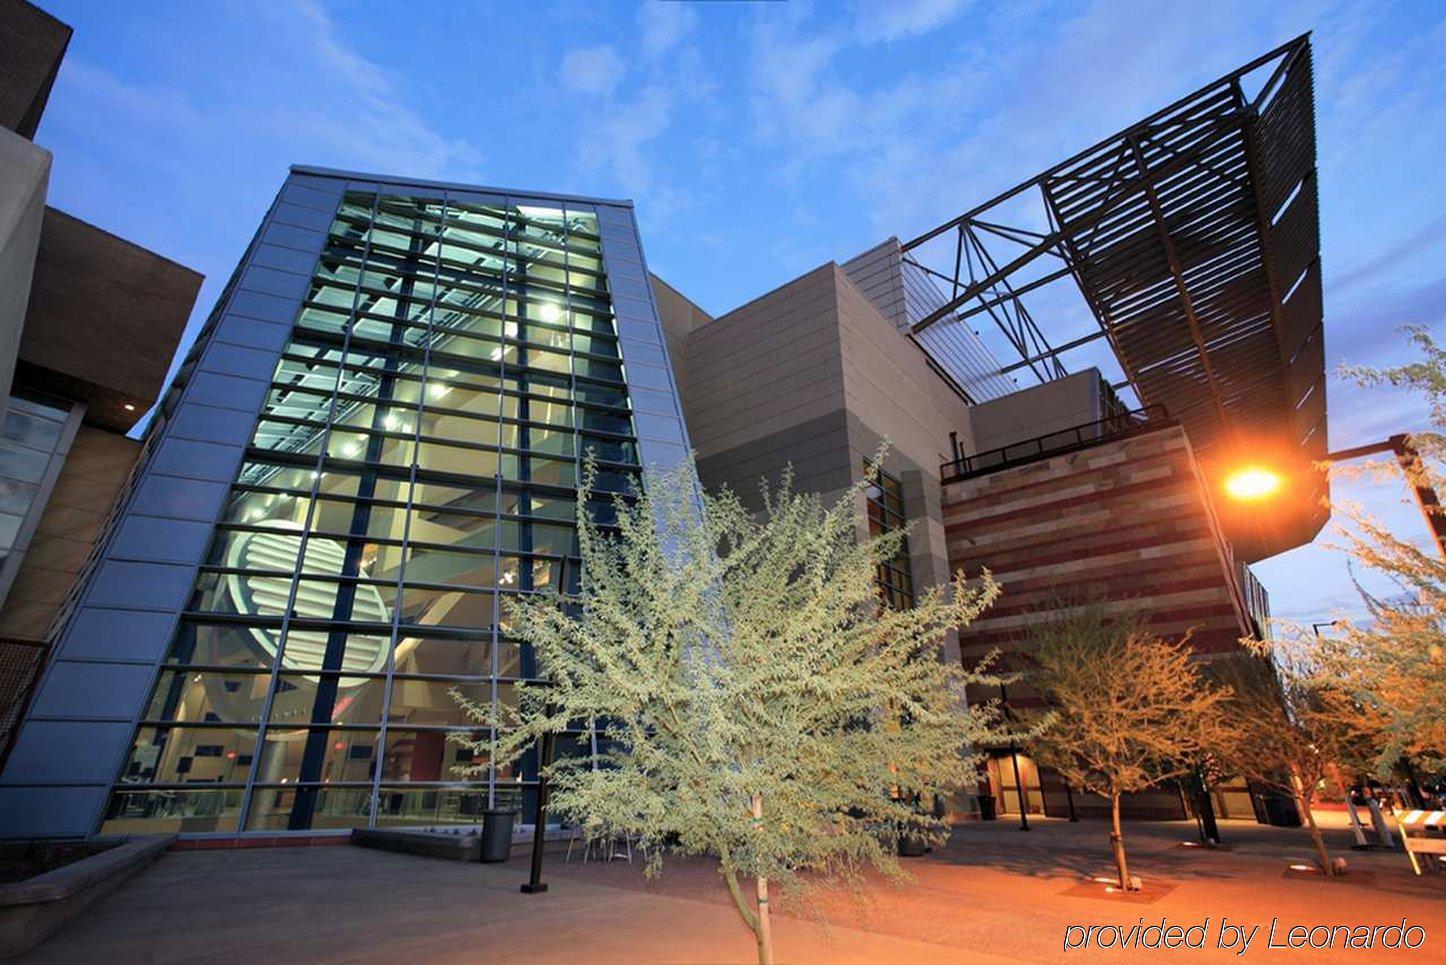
(764, 929)
(1117, 842)
(730, 877)
(1302, 801)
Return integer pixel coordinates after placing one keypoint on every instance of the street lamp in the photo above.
(1254, 483)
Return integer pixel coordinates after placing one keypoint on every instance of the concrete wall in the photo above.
(679, 317)
(24, 177)
(1048, 407)
(94, 471)
(813, 375)
(93, 288)
(891, 393)
(763, 387)
(32, 44)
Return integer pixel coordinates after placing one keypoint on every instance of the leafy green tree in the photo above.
(1395, 661)
(1130, 709)
(1297, 722)
(754, 701)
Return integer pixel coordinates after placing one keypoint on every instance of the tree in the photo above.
(1395, 662)
(1296, 724)
(1130, 709)
(754, 701)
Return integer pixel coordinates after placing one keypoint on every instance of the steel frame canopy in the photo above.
(1193, 238)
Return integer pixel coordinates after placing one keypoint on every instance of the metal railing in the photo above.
(1116, 426)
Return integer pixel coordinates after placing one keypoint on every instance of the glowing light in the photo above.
(438, 389)
(549, 312)
(1301, 867)
(351, 448)
(391, 421)
(128, 407)
(1252, 483)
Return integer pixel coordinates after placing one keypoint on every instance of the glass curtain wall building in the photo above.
(451, 357)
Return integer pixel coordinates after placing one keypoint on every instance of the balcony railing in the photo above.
(1117, 426)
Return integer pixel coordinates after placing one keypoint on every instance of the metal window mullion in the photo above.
(284, 632)
(509, 264)
(374, 802)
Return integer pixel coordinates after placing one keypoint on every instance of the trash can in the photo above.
(497, 835)
(911, 846)
(987, 810)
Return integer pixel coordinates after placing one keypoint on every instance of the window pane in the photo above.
(190, 755)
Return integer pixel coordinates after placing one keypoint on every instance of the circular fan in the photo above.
(264, 595)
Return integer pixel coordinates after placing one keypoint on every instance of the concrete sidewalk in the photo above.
(993, 894)
(349, 904)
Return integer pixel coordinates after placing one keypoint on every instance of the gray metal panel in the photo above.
(239, 330)
(236, 360)
(312, 172)
(158, 540)
(648, 400)
(286, 259)
(108, 651)
(139, 586)
(67, 752)
(651, 383)
(273, 281)
(313, 193)
(125, 635)
(206, 423)
(290, 236)
(91, 691)
(196, 460)
(179, 498)
(49, 812)
(300, 217)
(268, 308)
(213, 388)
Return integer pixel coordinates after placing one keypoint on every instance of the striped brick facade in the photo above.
(1126, 520)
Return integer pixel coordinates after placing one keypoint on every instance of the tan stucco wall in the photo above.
(1034, 411)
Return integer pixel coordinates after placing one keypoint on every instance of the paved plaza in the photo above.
(993, 894)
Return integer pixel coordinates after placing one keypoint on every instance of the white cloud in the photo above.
(664, 26)
(889, 20)
(596, 71)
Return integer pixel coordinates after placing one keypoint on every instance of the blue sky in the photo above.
(758, 139)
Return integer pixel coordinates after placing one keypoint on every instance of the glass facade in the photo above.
(34, 440)
(413, 465)
(895, 577)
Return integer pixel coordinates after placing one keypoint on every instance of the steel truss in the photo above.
(1193, 238)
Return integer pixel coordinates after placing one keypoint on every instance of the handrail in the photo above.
(1117, 426)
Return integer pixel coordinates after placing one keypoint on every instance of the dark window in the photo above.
(886, 515)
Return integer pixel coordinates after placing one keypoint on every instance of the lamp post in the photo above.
(1408, 457)
(1258, 484)
(1014, 759)
(534, 884)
